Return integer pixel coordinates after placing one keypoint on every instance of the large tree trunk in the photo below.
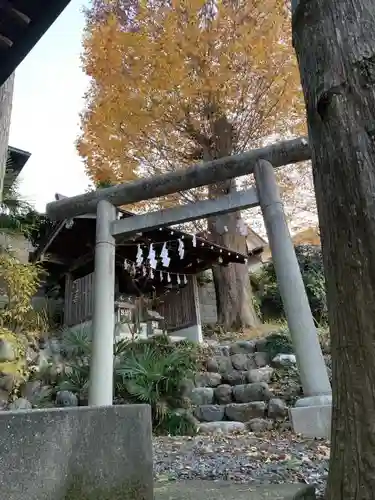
(232, 283)
(6, 99)
(335, 44)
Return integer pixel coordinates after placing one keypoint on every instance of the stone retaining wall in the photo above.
(238, 389)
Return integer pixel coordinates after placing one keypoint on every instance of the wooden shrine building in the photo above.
(166, 282)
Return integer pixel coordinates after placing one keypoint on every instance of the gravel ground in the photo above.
(272, 457)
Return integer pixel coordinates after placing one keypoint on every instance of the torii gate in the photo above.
(312, 413)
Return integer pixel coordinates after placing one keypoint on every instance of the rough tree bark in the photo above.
(6, 99)
(335, 45)
(232, 283)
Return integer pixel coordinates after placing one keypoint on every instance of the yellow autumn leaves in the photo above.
(163, 74)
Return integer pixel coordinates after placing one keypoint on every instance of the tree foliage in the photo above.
(174, 83)
(18, 218)
(170, 80)
(19, 283)
(13, 209)
(311, 265)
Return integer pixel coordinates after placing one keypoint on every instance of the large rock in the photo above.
(243, 362)
(7, 351)
(246, 393)
(56, 370)
(277, 409)
(4, 396)
(30, 389)
(219, 364)
(222, 350)
(261, 359)
(234, 377)
(187, 386)
(223, 394)
(260, 375)
(243, 412)
(8, 381)
(37, 393)
(209, 413)
(20, 404)
(260, 344)
(188, 415)
(202, 396)
(221, 427)
(212, 364)
(54, 346)
(31, 355)
(281, 360)
(53, 350)
(43, 360)
(242, 347)
(207, 379)
(259, 425)
(65, 399)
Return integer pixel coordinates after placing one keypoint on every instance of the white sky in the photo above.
(49, 87)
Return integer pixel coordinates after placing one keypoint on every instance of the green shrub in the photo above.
(267, 291)
(279, 343)
(147, 374)
(149, 371)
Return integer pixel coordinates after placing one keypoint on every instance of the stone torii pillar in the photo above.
(101, 366)
(312, 414)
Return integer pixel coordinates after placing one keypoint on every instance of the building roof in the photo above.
(68, 243)
(255, 243)
(16, 160)
(22, 24)
(309, 236)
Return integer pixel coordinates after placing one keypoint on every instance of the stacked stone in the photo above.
(234, 393)
(32, 393)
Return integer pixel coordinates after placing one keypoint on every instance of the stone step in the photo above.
(226, 490)
(241, 412)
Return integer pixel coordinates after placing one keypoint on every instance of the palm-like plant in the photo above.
(76, 343)
(147, 375)
(76, 349)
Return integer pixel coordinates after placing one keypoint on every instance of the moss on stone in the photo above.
(128, 490)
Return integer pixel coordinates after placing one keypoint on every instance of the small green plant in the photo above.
(257, 305)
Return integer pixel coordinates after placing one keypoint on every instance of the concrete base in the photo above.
(226, 490)
(312, 416)
(77, 454)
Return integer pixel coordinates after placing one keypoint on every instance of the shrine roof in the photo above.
(22, 24)
(66, 243)
(16, 160)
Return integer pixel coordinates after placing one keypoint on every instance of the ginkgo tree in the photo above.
(178, 82)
